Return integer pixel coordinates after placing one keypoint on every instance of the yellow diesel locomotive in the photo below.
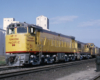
(30, 44)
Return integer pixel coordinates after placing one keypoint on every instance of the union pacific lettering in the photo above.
(13, 42)
(14, 39)
(13, 35)
(30, 38)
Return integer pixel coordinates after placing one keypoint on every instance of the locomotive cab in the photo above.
(20, 40)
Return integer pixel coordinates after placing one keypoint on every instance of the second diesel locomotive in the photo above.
(30, 44)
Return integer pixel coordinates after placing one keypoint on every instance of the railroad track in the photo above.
(2, 64)
(3, 68)
(40, 68)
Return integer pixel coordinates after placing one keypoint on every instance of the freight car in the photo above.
(30, 44)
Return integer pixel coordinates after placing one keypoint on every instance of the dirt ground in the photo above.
(82, 75)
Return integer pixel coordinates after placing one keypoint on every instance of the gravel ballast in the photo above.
(84, 71)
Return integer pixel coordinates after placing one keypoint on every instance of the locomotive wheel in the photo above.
(67, 59)
(88, 57)
(81, 57)
(73, 58)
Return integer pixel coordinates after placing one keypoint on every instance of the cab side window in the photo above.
(11, 29)
(31, 30)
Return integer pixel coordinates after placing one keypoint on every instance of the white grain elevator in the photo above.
(43, 22)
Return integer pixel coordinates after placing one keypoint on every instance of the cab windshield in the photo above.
(21, 29)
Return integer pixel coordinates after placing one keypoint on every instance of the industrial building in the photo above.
(2, 41)
(43, 22)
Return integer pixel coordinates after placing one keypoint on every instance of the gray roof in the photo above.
(43, 30)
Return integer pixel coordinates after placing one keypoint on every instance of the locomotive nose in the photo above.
(15, 43)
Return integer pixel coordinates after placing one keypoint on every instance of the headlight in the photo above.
(31, 56)
(31, 61)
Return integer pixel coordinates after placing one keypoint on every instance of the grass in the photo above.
(2, 60)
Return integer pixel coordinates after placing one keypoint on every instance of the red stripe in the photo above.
(37, 51)
(17, 52)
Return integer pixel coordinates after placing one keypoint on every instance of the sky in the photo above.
(78, 18)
